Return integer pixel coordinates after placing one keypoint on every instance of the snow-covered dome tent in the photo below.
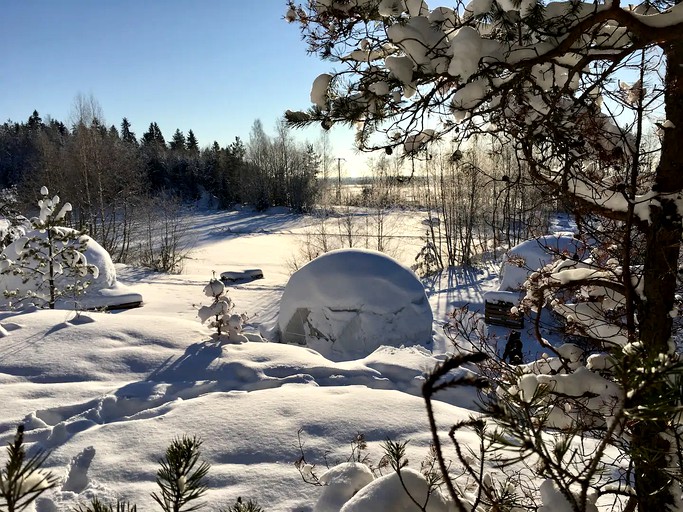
(102, 292)
(531, 255)
(347, 303)
(518, 263)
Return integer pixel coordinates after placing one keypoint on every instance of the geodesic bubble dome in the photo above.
(347, 303)
(535, 254)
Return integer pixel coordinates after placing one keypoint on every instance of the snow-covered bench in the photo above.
(242, 276)
(497, 307)
(517, 264)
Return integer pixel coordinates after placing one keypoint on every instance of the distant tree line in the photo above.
(107, 172)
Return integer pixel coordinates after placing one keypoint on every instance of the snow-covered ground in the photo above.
(113, 389)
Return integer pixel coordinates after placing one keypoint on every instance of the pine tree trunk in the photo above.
(650, 449)
(51, 268)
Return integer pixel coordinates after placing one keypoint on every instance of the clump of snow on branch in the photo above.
(565, 376)
(319, 90)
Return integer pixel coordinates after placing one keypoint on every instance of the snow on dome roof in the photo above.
(347, 303)
(537, 253)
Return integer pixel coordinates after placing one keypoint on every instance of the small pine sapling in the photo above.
(98, 506)
(181, 476)
(22, 480)
(219, 311)
(49, 251)
(241, 506)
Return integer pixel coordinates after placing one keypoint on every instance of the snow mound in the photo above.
(341, 483)
(347, 303)
(388, 494)
(536, 253)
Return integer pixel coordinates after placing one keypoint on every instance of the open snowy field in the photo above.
(107, 392)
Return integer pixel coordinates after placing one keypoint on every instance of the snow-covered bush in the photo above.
(48, 262)
(523, 259)
(219, 315)
(386, 486)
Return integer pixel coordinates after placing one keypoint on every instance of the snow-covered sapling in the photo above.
(96, 505)
(22, 480)
(219, 311)
(181, 478)
(244, 506)
(48, 252)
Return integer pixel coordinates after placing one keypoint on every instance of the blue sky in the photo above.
(213, 66)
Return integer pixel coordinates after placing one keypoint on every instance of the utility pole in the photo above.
(339, 160)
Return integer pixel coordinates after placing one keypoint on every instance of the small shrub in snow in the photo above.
(219, 315)
(22, 480)
(427, 260)
(181, 478)
(46, 253)
(98, 506)
(241, 506)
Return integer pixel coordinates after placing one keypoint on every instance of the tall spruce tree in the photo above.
(177, 141)
(192, 144)
(127, 135)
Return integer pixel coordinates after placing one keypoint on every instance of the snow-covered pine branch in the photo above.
(546, 79)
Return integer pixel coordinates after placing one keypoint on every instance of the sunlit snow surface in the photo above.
(106, 393)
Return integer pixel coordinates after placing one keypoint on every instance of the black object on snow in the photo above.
(243, 276)
(513, 349)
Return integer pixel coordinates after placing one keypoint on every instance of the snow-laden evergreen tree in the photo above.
(50, 259)
(575, 88)
(192, 145)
